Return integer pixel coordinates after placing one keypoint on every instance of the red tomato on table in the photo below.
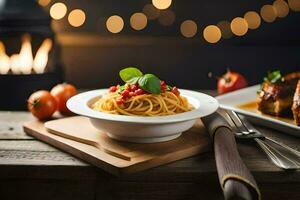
(231, 81)
(63, 92)
(42, 104)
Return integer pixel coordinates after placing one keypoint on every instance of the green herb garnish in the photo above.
(273, 77)
(120, 89)
(148, 82)
(130, 75)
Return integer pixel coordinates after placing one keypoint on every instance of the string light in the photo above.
(188, 28)
(151, 12)
(253, 19)
(76, 17)
(224, 26)
(281, 7)
(166, 17)
(239, 26)
(268, 13)
(162, 4)
(115, 24)
(44, 2)
(58, 10)
(138, 21)
(294, 5)
(212, 34)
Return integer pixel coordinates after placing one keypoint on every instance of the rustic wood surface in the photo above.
(80, 141)
(30, 169)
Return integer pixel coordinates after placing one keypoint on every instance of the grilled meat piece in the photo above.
(292, 78)
(296, 104)
(277, 98)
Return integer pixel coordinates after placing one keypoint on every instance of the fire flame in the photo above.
(4, 60)
(15, 64)
(23, 63)
(41, 57)
(25, 56)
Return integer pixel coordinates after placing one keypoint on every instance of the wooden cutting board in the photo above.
(78, 137)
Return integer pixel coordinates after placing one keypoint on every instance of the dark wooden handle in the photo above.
(234, 190)
(235, 178)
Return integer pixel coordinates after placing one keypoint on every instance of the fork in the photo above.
(280, 154)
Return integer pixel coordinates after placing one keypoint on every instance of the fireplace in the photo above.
(29, 53)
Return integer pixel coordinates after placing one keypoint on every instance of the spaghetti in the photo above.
(143, 105)
(142, 95)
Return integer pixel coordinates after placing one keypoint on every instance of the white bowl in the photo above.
(143, 129)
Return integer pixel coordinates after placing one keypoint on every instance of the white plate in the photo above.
(143, 129)
(231, 101)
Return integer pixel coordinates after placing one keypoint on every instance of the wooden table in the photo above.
(30, 169)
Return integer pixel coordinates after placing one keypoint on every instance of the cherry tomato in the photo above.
(42, 104)
(127, 87)
(175, 91)
(120, 101)
(63, 92)
(125, 93)
(134, 87)
(163, 86)
(113, 89)
(139, 92)
(131, 94)
(231, 81)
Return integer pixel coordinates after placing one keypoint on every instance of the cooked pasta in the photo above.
(142, 95)
(143, 105)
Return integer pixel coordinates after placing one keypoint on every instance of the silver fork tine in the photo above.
(230, 121)
(278, 158)
(248, 126)
(284, 146)
(238, 122)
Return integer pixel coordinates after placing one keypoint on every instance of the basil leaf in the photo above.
(273, 77)
(130, 75)
(134, 80)
(150, 83)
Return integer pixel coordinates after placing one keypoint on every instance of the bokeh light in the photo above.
(281, 7)
(115, 24)
(294, 5)
(166, 17)
(162, 4)
(268, 13)
(224, 26)
(239, 26)
(188, 28)
(253, 19)
(44, 2)
(151, 12)
(76, 17)
(58, 10)
(212, 34)
(138, 21)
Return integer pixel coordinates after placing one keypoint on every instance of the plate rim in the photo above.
(78, 105)
(248, 113)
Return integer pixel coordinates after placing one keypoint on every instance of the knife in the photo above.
(235, 178)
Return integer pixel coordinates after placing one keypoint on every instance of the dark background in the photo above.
(93, 56)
